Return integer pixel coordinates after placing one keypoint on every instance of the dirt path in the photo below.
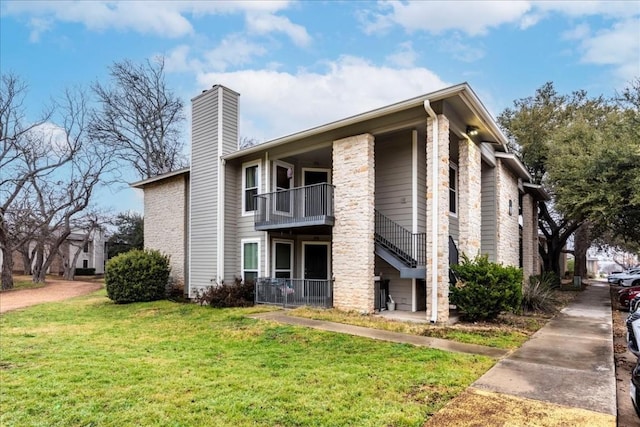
(54, 290)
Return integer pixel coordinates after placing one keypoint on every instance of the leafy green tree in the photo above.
(129, 235)
(585, 152)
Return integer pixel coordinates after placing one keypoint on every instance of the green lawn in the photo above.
(499, 335)
(90, 362)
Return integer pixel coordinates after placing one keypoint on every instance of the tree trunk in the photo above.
(7, 269)
(581, 245)
(39, 270)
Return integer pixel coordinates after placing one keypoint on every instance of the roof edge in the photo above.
(161, 177)
(369, 115)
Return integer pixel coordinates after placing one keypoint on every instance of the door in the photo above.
(315, 200)
(316, 270)
(283, 182)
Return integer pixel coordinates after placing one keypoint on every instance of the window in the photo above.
(85, 263)
(85, 249)
(250, 185)
(283, 259)
(453, 189)
(250, 260)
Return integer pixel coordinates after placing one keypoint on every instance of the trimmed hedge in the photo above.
(85, 272)
(137, 275)
(486, 289)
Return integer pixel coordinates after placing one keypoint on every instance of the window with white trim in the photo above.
(453, 189)
(250, 260)
(282, 259)
(250, 186)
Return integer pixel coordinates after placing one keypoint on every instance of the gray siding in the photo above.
(422, 182)
(232, 205)
(213, 135)
(399, 289)
(489, 217)
(393, 178)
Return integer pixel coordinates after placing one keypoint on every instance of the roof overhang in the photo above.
(158, 178)
(536, 190)
(514, 164)
(462, 91)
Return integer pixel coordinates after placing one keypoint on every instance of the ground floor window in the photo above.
(283, 259)
(250, 260)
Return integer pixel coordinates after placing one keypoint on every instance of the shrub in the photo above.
(85, 272)
(237, 294)
(537, 294)
(137, 275)
(485, 289)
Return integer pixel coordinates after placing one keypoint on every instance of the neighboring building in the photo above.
(92, 254)
(396, 192)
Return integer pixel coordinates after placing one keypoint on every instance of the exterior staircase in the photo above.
(402, 249)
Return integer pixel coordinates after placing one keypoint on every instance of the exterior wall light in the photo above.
(472, 130)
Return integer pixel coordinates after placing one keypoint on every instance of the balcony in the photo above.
(297, 207)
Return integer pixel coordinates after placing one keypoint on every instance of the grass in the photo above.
(88, 361)
(24, 282)
(510, 331)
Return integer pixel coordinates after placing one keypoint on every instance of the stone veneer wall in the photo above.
(469, 197)
(508, 231)
(164, 221)
(442, 193)
(353, 233)
(530, 265)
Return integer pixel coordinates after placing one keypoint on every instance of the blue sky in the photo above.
(301, 64)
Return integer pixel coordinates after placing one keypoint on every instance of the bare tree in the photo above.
(47, 178)
(140, 118)
(18, 165)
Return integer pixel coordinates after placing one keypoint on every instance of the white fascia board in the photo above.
(374, 114)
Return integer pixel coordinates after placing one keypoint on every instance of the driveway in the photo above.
(54, 290)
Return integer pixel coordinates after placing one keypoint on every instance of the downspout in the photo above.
(414, 208)
(434, 214)
(221, 195)
(266, 189)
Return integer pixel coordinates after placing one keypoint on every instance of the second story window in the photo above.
(453, 189)
(250, 185)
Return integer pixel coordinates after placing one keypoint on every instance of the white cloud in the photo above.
(404, 57)
(462, 51)
(618, 46)
(161, 18)
(276, 103)
(470, 17)
(577, 33)
(264, 23)
(234, 50)
(49, 136)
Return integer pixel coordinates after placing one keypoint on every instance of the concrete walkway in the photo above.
(567, 365)
(568, 362)
(378, 334)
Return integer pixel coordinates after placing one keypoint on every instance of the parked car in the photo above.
(635, 388)
(615, 278)
(634, 304)
(631, 280)
(626, 295)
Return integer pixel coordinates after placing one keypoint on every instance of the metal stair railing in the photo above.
(410, 248)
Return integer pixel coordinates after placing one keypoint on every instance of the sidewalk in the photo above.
(564, 375)
(568, 362)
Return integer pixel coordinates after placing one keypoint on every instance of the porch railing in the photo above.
(294, 292)
(410, 248)
(297, 207)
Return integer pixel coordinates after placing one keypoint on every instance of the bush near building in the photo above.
(137, 275)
